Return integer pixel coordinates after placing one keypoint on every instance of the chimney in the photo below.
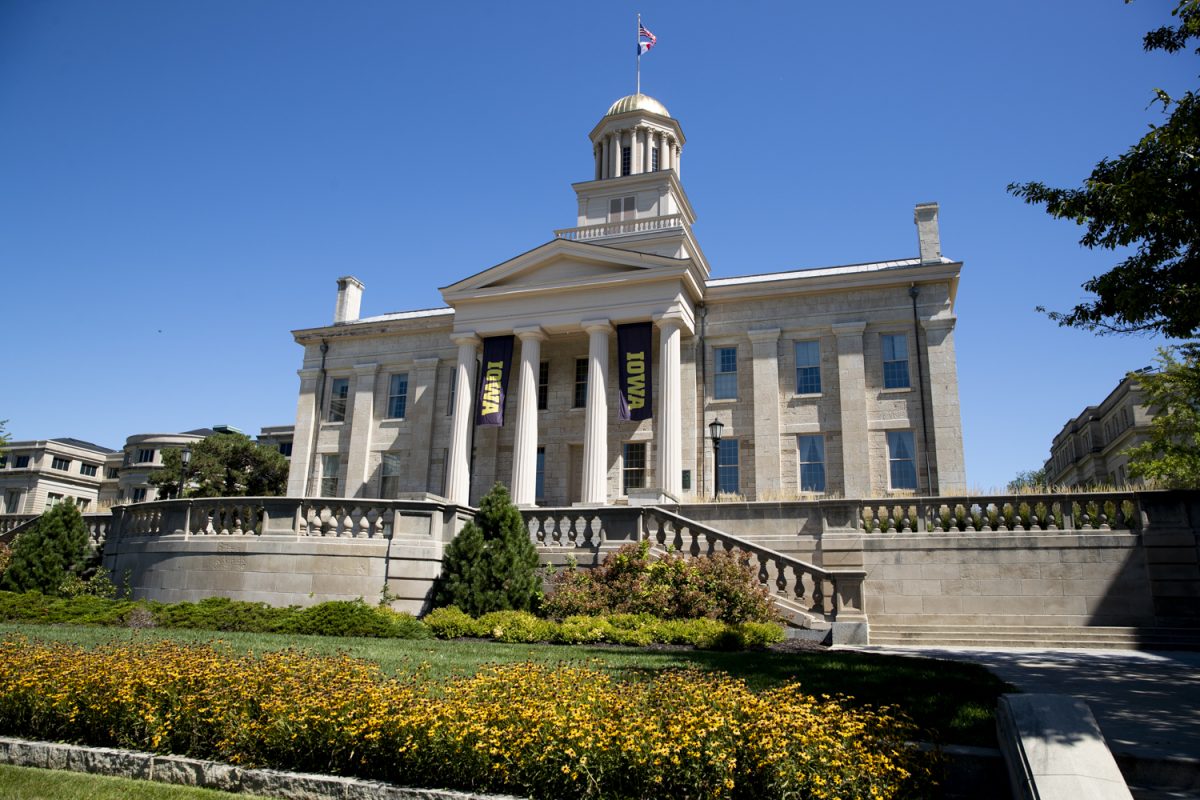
(925, 216)
(349, 299)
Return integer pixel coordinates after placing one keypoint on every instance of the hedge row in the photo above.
(356, 618)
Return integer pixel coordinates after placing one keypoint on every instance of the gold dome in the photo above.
(637, 102)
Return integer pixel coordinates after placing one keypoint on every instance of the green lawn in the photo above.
(27, 783)
(952, 702)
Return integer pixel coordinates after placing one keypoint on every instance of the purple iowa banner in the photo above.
(493, 388)
(633, 353)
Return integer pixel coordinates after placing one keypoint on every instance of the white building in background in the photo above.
(1090, 449)
(39, 474)
(832, 381)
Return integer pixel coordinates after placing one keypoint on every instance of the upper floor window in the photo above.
(812, 463)
(112, 473)
(22, 462)
(88, 469)
(285, 449)
(895, 361)
(145, 456)
(58, 462)
(539, 482)
(725, 381)
(621, 208)
(626, 161)
(330, 465)
(339, 390)
(3, 460)
(83, 503)
(581, 382)
(654, 160)
(53, 499)
(727, 467)
(398, 396)
(450, 393)
(139, 495)
(902, 461)
(808, 367)
(543, 386)
(635, 466)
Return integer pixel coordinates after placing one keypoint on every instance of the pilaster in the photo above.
(422, 387)
(852, 389)
(305, 430)
(669, 424)
(458, 477)
(947, 446)
(362, 428)
(765, 374)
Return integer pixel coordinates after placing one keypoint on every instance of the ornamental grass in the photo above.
(527, 729)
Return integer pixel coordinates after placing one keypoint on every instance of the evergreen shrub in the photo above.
(55, 547)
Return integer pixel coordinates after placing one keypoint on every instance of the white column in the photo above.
(666, 154)
(614, 151)
(765, 373)
(647, 149)
(598, 154)
(422, 388)
(362, 424)
(458, 479)
(852, 391)
(307, 423)
(669, 424)
(635, 152)
(604, 162)
(595, 428)
(677, 160)
(524, 477)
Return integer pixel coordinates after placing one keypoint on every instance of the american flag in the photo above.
(644, 47)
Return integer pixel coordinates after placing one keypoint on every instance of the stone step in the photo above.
(1035, 636)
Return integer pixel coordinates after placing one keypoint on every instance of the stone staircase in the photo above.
(1050, 636)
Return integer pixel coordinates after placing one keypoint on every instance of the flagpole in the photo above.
(638, 38)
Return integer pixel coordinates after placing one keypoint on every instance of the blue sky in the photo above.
(181, 182)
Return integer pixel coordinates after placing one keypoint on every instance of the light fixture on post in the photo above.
(185, 460)
(715, 429)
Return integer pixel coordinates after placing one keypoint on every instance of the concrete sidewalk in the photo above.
(1147, 703)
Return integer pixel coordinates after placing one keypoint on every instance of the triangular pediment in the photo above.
(560, 263)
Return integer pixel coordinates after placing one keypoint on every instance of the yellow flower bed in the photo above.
(520, 728)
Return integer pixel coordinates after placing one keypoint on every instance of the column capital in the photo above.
(309, 374)
(530, 332)
(849, 328)
(764, 335)
(665, 319)
(464, 338)
(597, 325)
(366, 369)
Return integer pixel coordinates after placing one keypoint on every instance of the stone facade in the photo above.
(1090, 449)
(870, 409)
(36, 475)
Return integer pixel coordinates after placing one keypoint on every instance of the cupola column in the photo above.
(598, 154)
(667, 152)
(635, 150)
(595, 425)
(647, 149)
(676, 159)
(614, 150)
(525, 439)
(603, 171)
(458, 478)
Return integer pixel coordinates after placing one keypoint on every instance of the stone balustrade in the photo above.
(575, 527)
(1004, 513)
(10, 522)
(586, 232)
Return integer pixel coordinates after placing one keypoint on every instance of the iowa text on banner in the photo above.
(633, 352)
(493, 389)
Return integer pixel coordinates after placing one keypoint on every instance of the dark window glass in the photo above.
(581, 378)
(398, 396)
(808, 368)
(544, 385)
(727, 467)
(635, 466)
(338, 392)
(895, 362)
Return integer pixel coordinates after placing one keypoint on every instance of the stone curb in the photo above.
(183, 771)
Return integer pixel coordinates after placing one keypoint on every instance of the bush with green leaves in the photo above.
(492, 564)
(53, 549)
(722, 586)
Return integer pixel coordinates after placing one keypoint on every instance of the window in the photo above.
(398, 396)
(621, 208)
(635, 466)
(145, 456)
(285, 449)
(808, 367)
(139, 495)
(812, 463)
(450, 401)
(581, 376)
(329, 475)
(12, 501)
(539, 482)
(895, 361)
(112, 473)
(83, 503)
(392, 464)
(687, 480)
(626, 158)
(88, 469)
(727, 467)
(57, 462)
(901, 460)
(339, 390)
(53, 499)
(3, 461)
(22, 462)
(543, 385)
(725, 381)
(654, 160)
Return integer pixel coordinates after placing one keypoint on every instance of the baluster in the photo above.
(710, 543)
(781, 581)
(801, 585)
(692, 539)
(1052, 516)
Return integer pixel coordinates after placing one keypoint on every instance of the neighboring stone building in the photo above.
(1090, 449)
(36, 475)
(831, 381)
(127, 472)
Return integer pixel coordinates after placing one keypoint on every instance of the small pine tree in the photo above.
(53, 549)
(492, 564)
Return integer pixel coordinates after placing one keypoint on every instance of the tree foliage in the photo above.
(225, 465)
(53, 550)
(1149, 199)
(492, 564)
(1171, 456)
(1029, 479)
(4, 440)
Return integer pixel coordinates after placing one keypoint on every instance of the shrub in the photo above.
(723, 587)
(515, 626)
(55, 547)
(223, 614)
(492, 564)
(341, 618)
(450, 622)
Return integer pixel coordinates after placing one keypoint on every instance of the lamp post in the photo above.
(185, 459)
(715, 429)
